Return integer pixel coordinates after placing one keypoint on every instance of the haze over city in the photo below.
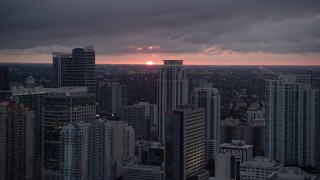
(247, 32)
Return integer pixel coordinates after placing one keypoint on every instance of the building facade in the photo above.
(149, 153)
(4, 78)
(32, 97)
(123, 139)
(62, 106)
(135, 117)
(140, 116)
(252, 115)
(209, 98)
(17, 125)
(291, 173)
(258, 168)
(227, 166)
(75, 69)
(291, 120)
(239, 148)
(110, 96)
(253, 134)
(172, 91)
(142, 172)
(84, 150)
(184, 142)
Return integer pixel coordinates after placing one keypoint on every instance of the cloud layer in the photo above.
(134, 26)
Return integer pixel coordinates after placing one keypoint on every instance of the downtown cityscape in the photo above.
(148, 90)
(87, 121)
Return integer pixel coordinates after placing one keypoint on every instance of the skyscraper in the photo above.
(140, 116)
(62, 106)
(76, 69)
(96, 148)
(4, 78)
(317, 130)
(32, 98)
(110, 95)
(184, 143)
(122, 145)
(209, 98)
(291, 120)
(16, 141)
(172, 91)
(84, 150)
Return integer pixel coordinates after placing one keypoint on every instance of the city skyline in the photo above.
(164, 122)
(204, 33)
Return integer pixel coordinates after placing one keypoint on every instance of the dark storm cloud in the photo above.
(131, 26)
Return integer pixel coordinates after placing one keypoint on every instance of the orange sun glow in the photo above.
(149, 63)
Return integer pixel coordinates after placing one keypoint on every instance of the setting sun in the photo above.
(149, 63)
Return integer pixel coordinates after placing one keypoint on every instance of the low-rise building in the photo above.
(291, 173)
(143, 172)
(240, 148)
(227, 166)
(258, 168)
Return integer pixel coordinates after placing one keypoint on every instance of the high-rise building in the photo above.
(110, 95)
(83, 146)
(184, 142)
(317, 130)
(291, 120)
(123, 139)
(76, 69)
(96, 148)
(209, 98)
(4, 78)
(140, 116)
(135, 117)
(172, 91)
(62, 106)
(17, 125)
(258, 168)
(32, 97)
(122, 145)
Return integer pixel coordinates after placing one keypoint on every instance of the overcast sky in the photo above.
(135, 31)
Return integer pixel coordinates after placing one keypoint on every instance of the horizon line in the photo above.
(293, 65)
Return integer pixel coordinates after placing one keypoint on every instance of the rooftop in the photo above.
(69, 91)
(291, 173)
(236, 144)
(261, 161)
(173, 62)
(142, 166)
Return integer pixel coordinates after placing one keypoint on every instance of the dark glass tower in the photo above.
(76, 69)
(110, 95)
(62, 106)
(16, 141)
(4, 78)
(185, 143)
